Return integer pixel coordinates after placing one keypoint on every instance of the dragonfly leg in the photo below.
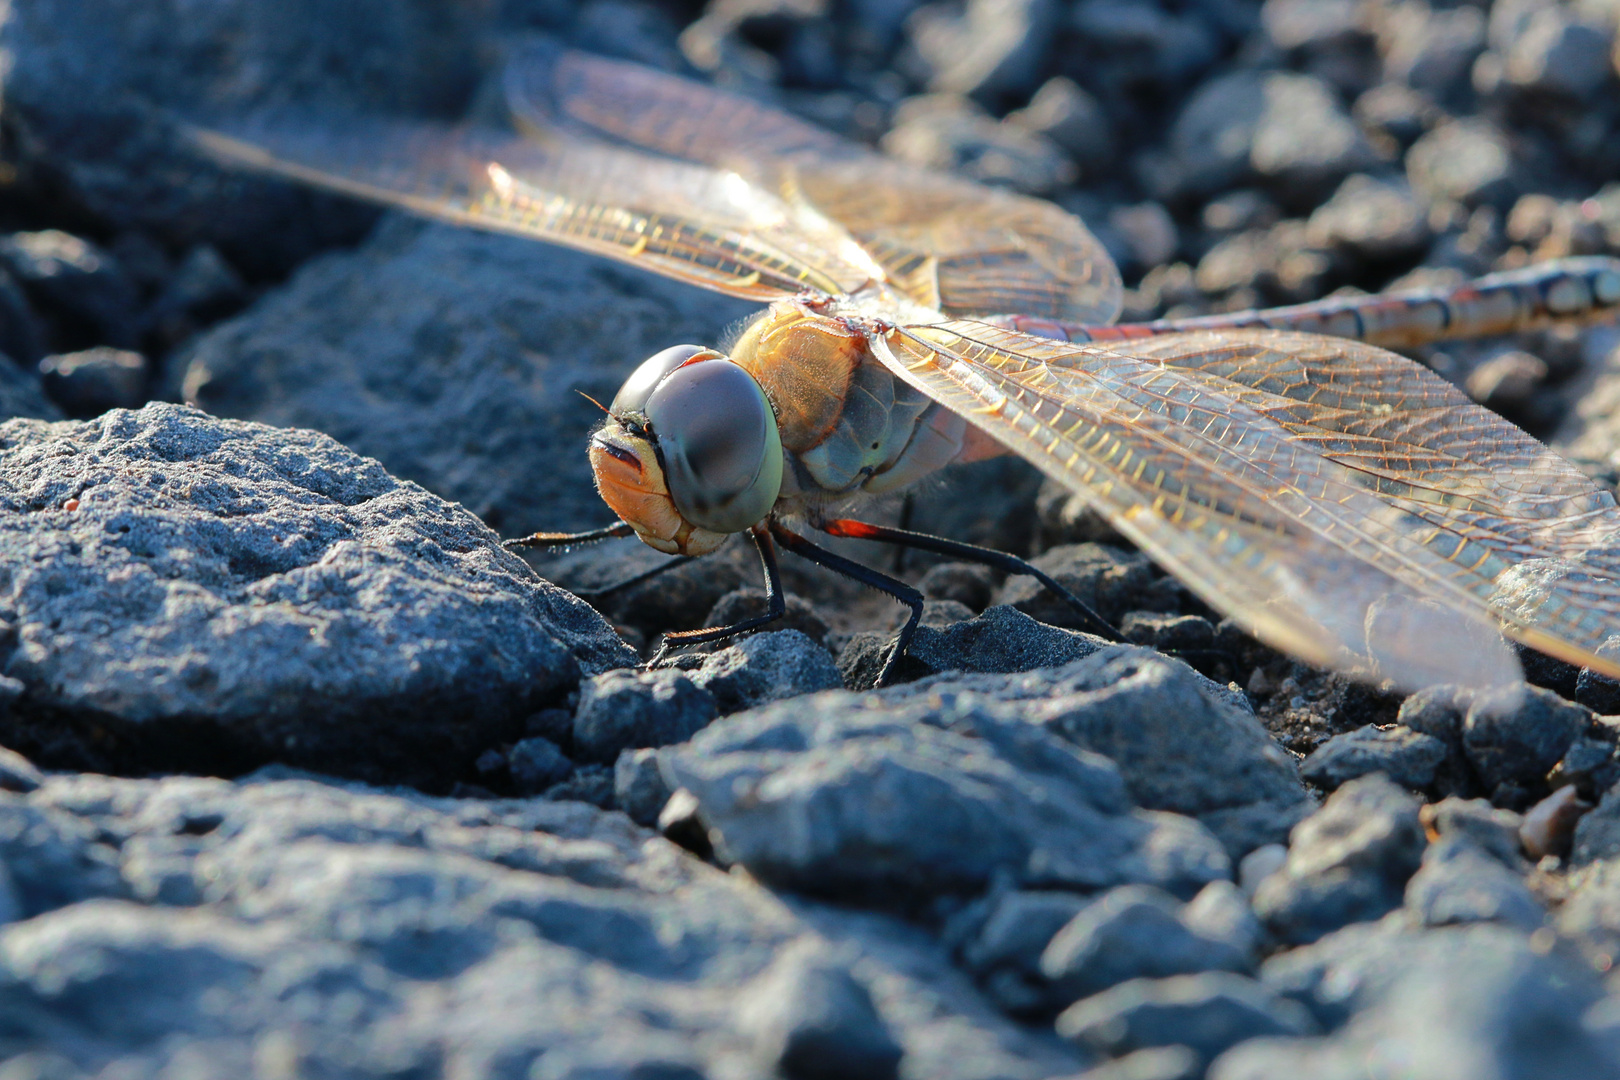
(866, 576)
(563, 540)
(1000, 560)
(775, 606)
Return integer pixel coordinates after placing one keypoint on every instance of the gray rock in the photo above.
(404, 935)
(969, 584)
(1433, 49)
(766, 667)
(1395, 115)
(1180, 634)
(1373, 218)
(17, 773)
(1285, 128)
(1305, 143)
(1004, 949)
(1407, 757)
(1002, 640)
(1106, 579)
(90, 85)
(1313, 24)
(863, 798)
(91, 381)
(1590, 914)
(1348, 862)
(537, 763)
(1460, 883)
(1278, 262)
(21, 393)
(78, 285)
(53, 859)
(1158, 1063)
(1519, 743)
(1556, 52)
(989, 48)
(1206, 1013)
(1597, 835)
(1221, 912)
(638, 786)
(947, 133)
(1068, 115)
(1438, 711)
(593, 784)
(453, 358)
(1132, 932)
(811, 1019)
(22, 331)
(1467, 161)
(623, 710)
(1452, 1004)
(203, 286)
(1492, 830)
(1182, 742)
(224, 592)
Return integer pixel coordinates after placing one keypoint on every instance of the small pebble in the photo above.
(1549, 826)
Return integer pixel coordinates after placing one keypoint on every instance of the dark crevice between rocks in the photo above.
(422, 744)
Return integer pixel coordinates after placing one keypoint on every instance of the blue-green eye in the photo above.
(632, 396)
(717, 439)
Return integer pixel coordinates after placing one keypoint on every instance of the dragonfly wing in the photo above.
(949, 244)
(1343, 503)
(685, 221)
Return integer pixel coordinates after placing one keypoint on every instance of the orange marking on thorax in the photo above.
(804, 362)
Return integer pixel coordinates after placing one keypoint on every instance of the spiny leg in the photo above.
(1000, 560)
(608, 532)
(775, 605)
(866, 576)
(563, 540)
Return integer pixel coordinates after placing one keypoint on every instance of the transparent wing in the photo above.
(950, 245)
(696, 224)
(1342, 502)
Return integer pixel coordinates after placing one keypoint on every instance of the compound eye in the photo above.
(717, 439)
(632, 396)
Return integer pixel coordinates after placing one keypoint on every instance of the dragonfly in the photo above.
(1340, 502)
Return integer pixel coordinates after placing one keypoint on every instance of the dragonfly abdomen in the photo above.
(1575, 290)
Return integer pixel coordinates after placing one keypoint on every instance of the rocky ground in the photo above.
(305, 776)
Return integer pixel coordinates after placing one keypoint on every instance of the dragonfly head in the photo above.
(690, 452)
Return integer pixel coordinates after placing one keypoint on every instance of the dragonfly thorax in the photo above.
(690, 452)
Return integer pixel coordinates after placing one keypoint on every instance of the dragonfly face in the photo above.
(690, 452)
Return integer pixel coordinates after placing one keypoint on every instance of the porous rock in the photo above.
(1206, 1013)
(337, 912)
(1182, 742)
(92, 86)
(1520, 742)
(622, 710)
(1132, 932)
(1348, 862)
(1002, 947)
(766, 667)
(1459, 882)
(1407, 757)
(22, 395)
(454, 357)
(1451, 1003)
(858, 797)
(195, 592)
